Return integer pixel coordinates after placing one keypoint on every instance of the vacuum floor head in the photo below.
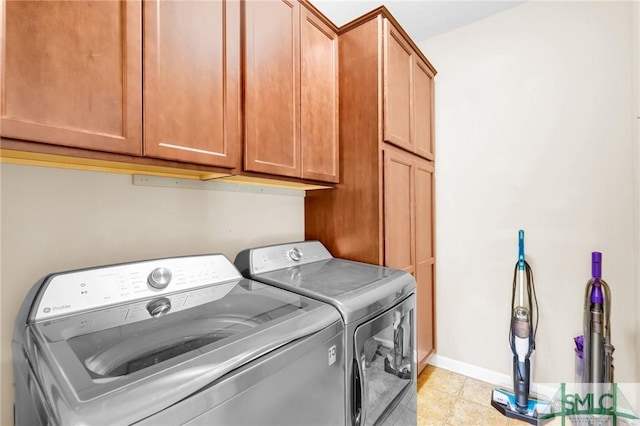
(505, 403)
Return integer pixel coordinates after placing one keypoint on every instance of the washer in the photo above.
(174, 341)
(377, 306)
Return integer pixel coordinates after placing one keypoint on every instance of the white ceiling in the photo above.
(421, 19)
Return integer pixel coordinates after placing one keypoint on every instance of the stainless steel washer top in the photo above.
(118, 344)
(356, 289)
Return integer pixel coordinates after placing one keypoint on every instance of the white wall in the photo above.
(534, 118)
(636, 144)
(55, 220)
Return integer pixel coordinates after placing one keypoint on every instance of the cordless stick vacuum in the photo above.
(522, 333)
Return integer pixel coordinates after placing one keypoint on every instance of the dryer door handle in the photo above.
(356, 394)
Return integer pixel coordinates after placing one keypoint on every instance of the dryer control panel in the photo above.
(272, 258)
(76, 291)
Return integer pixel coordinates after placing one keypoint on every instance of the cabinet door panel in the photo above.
(318, 99)
(398, 211)
(72, 74)
(398, 72)
(424, 210)
(192, 80)
(424, 259)
(272, 87)
(425, 313)
(422, 109)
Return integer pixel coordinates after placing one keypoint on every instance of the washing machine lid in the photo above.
(117, 364)
(356, 289)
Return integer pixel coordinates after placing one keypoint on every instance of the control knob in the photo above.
(295, 254)
(159, 307)
(159, 278)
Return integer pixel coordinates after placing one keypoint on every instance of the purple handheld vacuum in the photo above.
(598, 351)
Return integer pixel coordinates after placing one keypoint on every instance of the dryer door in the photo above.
(385, 355)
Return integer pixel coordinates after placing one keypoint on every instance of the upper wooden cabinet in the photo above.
(72, 74)
(422, 111)
(398, 85)
(73, 77)
(291, 91)
(407, 94)
(319, 133)
(272, 91)
(192, 81)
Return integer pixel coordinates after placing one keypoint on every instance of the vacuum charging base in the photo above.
(504, 402)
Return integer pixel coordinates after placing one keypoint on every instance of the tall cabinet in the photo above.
(382, 210)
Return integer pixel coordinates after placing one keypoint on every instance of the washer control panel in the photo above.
(114, 316)
(76, 291)
(266, 259)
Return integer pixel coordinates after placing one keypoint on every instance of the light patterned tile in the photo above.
(433, 404)
(443, 380)
(469, 413)
(425, 375)
(477, 391)
(424, 421)
(449, 399)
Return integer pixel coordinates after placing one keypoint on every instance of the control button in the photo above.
(159, 278)
(159, 307)
(295, 254)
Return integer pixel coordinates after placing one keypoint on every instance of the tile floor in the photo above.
(447, 398)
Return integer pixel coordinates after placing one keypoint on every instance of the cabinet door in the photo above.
(72, 74)
(422, 114)
(424, 261)
(272, 97)
(318, 99)
(398, 75)
(191, 80)
(398, 211)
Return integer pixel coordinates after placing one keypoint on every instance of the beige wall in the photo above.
(534, 130)
(54, 220)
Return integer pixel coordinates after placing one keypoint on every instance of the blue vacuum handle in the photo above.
(521, 250)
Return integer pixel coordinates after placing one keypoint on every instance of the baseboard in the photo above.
(483, 374)
(470, 370)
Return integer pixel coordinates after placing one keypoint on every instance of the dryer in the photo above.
(377, 306)
(175, 341)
